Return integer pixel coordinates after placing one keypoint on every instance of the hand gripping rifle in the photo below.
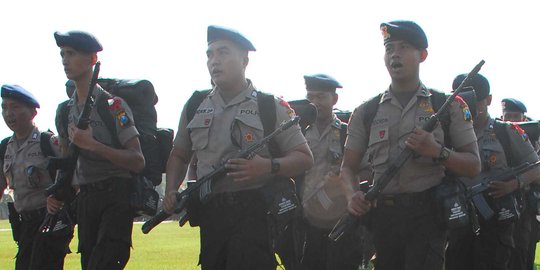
(476, 192)
(350, 222)
(216, 174)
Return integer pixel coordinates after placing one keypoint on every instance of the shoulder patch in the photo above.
(467, 116)
(520, 132)
(122, 117)
(115, 103)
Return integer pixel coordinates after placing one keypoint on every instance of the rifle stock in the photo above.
(350, 222)
(219, 172)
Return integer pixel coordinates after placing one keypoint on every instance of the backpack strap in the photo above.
(343, 136)
(370, 110)
(502, 135)
(61, 120)
(267, 113)
(3, 147)
(45, 144)
(437, 101)
(102, 107)
(194, 102)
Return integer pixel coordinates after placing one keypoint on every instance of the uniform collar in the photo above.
(422, 91)
(32, 137)
(74, 98)
(250, 93)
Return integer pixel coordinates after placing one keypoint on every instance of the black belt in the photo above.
(33, 214)
(405, 199)
(106, 184)
(234, 198)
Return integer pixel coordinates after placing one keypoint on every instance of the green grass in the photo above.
(166, 247)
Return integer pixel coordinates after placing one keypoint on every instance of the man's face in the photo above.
(324, 101)
(226, 62)
(513, 116)
(402, 59)
(482, 109)
(76, 64)
(17, 115)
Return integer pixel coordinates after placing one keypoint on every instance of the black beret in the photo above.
(478, 82)
(18, 93)
(216, 33)
(513, 105)
(404, 30)
(321, 82)
(78, 40)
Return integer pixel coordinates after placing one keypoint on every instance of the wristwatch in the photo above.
(275, 166)
(444, 154)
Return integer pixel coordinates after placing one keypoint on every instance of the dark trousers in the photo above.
(105, 224)
(525, 242)
(39, 251)
(235, 234)
(406, 235)
(488, 251)
(321, 253)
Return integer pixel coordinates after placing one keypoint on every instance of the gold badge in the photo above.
(384, 31)
(492, 159)
(424, 105)
(248, 137)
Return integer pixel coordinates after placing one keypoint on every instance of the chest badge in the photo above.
(248, 137)
(492, 159)
(207, 121)
(382, 133)
(424, 105)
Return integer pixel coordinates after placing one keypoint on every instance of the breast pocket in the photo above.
(36, 173)
(378, 146)
(493, 156)
(246, 130)
(199, 129)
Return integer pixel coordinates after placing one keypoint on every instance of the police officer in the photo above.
(491, 249)
(513, 110)
(323, 196)
(233, 223)
(25, 169)
(103, 171)
(405, 231)
(526, 229)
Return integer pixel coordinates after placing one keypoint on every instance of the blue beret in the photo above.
(18, 93)
(404, 30)
(216, 33)
(513, 105)
(478, 82)
(78, 40)
(321, 82)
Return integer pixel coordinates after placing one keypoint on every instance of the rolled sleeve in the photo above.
(357, 137)
(292, 137)
(522, 149)
(461, 127)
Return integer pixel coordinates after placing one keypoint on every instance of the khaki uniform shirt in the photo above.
(492, 152)
(25, 169)
(390, 128)
(218, 131)
(323, 198)
(92, 167)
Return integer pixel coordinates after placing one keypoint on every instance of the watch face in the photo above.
(445, 153)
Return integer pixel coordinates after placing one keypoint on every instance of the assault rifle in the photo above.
(350, 222)
(217, 173)
(62, 183)
(476, 192)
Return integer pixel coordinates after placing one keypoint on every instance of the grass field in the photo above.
(166, 247)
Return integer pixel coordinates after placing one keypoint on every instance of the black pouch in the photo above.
(143, 198)
(193, 207)
(506, 208)
(451, 204)
(282, 204)
(15, 220)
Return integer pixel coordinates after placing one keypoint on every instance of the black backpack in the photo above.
(44, 144)
(156, 143)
